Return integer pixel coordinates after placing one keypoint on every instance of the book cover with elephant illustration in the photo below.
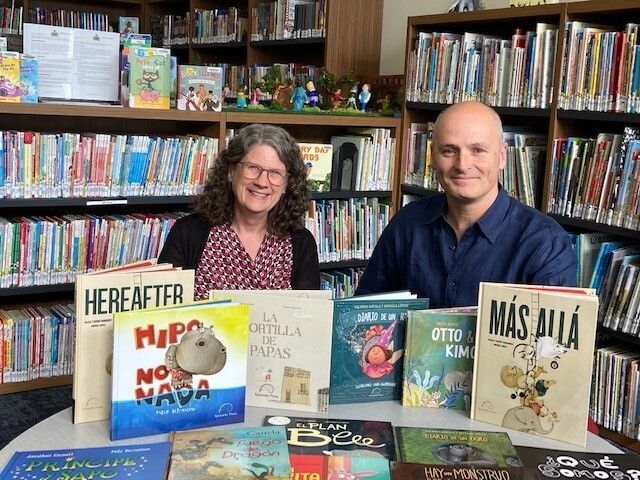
(438, 358)
(368, 347)
(468, 448)
(254, 453)
(534, 359)
(179, 367)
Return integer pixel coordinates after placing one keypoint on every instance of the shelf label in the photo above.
(114, 201)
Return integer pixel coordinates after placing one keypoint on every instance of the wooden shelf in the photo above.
(595, 227)
(599, 116)
(218, 45)
(7, 203)
(37, 290)
(417, 190)
(622, 336)
(350, 194)
(288, 43)
(503, 111)
(343, 264)
(620, 439)
(181, 46)
(293, 118)
(35, 384)
(506, 15)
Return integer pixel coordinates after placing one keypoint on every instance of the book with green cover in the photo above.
(438, 358)
(149, 77)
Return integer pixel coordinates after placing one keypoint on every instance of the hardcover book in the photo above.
(179, 367)
(469, 448)
(10, 77)
(438, 358)
(149, 77)
(534, 359)
(367, 348)
(128, 25)
(255, 453)
(140, 462)
(28, 79)
(317, 158)
(98, 295)
(416, 471)
(200, 88)
(282, 371)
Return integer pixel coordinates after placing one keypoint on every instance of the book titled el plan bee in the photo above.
(139, 462)
(178, 368)
(534, 359)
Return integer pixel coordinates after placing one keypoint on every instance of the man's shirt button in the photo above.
(452, 247)
(452, 284)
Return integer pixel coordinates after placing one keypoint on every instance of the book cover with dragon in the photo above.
(149, 77)
(438, 358)
(178, 367)
(534, 359)
(255, 453)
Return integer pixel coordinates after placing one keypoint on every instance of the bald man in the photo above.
(442, 246)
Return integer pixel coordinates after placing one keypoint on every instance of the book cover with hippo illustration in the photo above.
(534, 358)
(177, 368)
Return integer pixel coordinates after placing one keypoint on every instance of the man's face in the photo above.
(468, 154)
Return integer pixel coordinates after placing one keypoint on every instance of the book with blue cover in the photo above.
(176, 368)
(28, 79)
(139, 462)
(367, 348)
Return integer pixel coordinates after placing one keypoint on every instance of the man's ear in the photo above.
(503, 155)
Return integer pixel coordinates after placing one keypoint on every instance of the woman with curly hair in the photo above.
(247, 232)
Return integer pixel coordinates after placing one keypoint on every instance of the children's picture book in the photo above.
(534, 359)
(10, 77)
(542, 464)
(469, 448)
(98, 296)
(337, 449)
(317, 158)
(149, 77)
(255, 453)
(128, 25)
(128, 42)
(200, 88)
(179, 367)
(28, 79)
(367, 348)
(282, 370)
(417, 471)
(141, 462)
(438, 358)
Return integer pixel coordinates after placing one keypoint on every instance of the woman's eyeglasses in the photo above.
(251, 171)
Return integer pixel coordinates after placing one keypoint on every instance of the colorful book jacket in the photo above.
(127, 462)
(534, 359)
(10, 77)
(467, 448)
(98, 296)
(367, 349)
(416, 471)
(128, 42)
(28, 79)
(317, 158)
(200, 88)
(149, 77)
(542, 464)
(178, 367)
(256, 453)
(337, 449)
(438, 358)
(283, 370)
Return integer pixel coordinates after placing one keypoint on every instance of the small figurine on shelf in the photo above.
(337, 99)
(241, 97)
(312, 94)
(353, 93)
(282, 95)
(226, 92)
(298, 98)
(385, 103)
(364, 97)
(256, 93)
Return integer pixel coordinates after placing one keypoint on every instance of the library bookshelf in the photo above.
(552, 121)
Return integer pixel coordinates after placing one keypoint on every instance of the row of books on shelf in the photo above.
(615, 403)
(38, 165)
(219, 25)
(346, 229)
(516, 72)
(11, 19)
(287, 73)
(36, 342)
(288, 19)
(597, 179)
(342, 283)
(70, 18)
(54, 249)
(323, 449)
(174, 28)
(601, 68)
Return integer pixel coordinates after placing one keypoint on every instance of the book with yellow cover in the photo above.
(10, 77)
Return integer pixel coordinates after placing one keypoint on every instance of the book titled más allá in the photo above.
(255, 453)
(367, 348)
(178, 367)
(149, 77)
(438, 358)
(140, 462)
(534, 359)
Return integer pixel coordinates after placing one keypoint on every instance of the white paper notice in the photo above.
(74, 64)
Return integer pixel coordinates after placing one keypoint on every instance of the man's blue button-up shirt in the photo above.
(511, 243)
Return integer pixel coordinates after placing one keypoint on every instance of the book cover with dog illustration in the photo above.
(255, 453)
(179, 367)
(533, 359)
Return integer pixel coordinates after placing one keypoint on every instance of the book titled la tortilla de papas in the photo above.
(130, 462)
(416, 471)
(367, 349)
(475, 448)
(177, 368)
(254, 453)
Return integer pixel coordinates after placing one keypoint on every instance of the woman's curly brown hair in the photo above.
(216, 203)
